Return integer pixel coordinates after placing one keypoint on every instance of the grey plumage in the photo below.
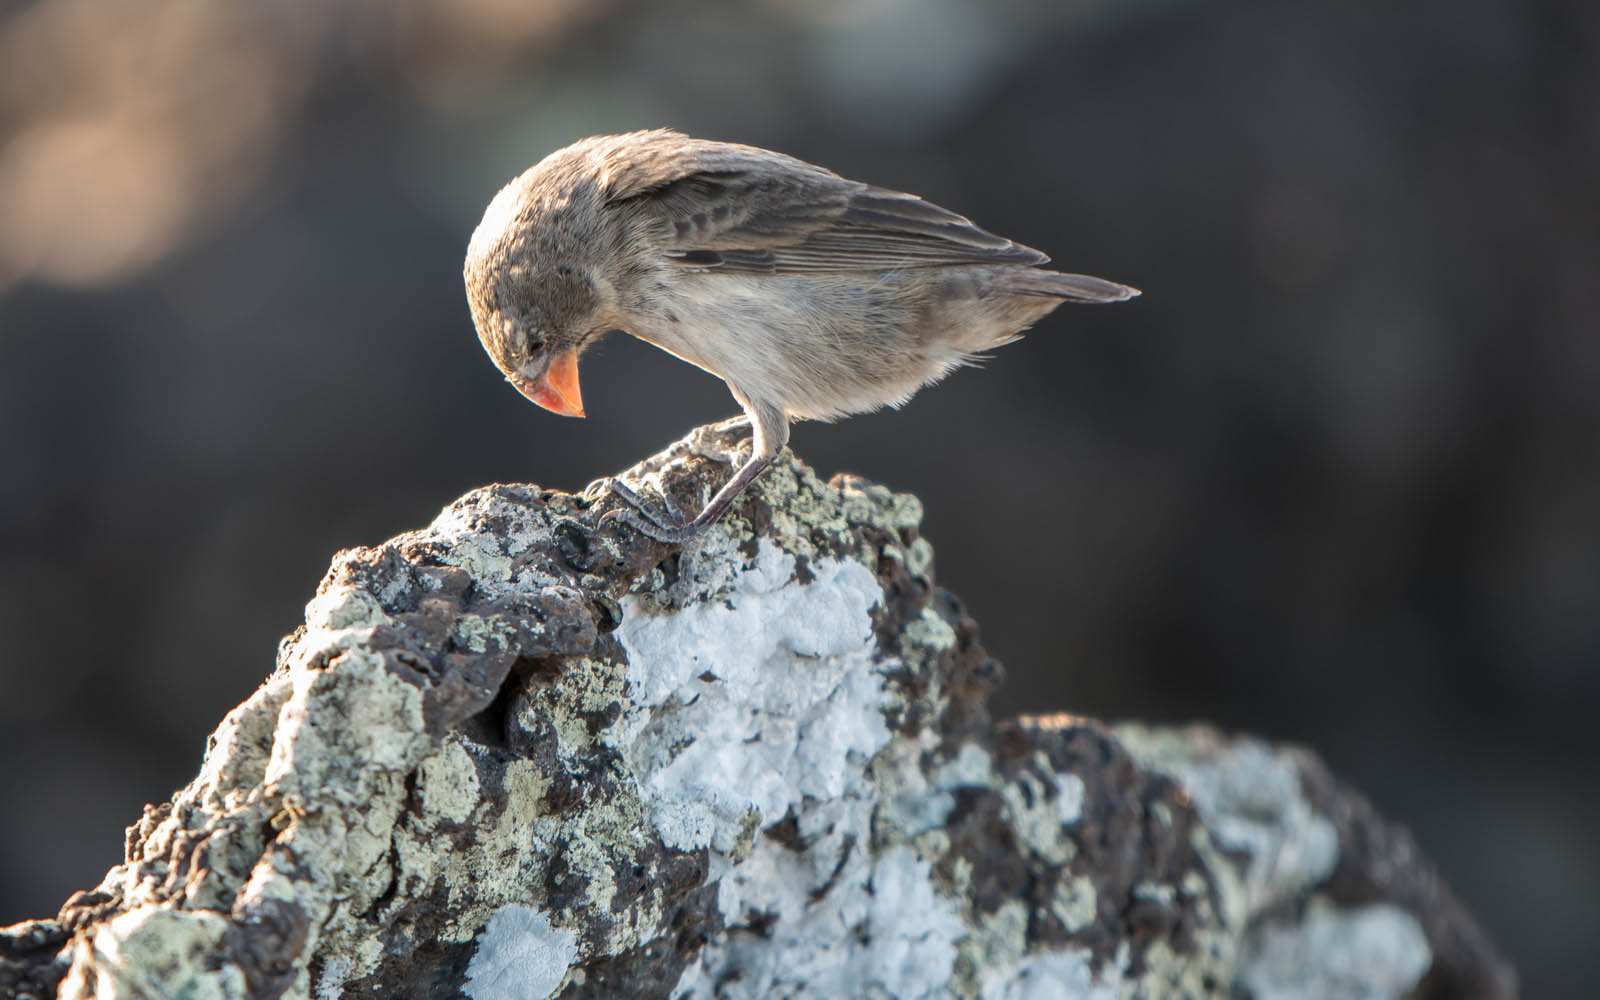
(813, 296)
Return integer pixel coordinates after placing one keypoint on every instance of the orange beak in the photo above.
(557, 389)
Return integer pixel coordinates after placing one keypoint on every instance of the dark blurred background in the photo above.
(1335, 479)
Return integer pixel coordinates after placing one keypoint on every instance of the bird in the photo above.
(811, 295)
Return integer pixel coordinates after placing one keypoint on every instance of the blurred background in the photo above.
(1334, 479)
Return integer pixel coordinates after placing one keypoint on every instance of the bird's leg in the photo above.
(771, 434)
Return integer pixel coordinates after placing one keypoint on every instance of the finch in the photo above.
(812, 296)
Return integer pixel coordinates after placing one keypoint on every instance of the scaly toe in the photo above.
(666, 525)
(650, 528)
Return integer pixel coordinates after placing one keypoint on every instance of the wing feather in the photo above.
(711, 205)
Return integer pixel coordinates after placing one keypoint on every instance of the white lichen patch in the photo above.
(970, 767)
(910, 809)
(1064, 975)
(1373, 952)
(765, 700)
(753, 702)
(1069, 798)
(714, 568)
(1042, 813)
(335, 973)
(880, 929)
(519, 957)
(1249, 798)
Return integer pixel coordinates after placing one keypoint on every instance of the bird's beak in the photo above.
(557, 389)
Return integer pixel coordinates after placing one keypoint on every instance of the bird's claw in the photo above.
(665, 525)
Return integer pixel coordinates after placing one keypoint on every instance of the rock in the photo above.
(515, 754)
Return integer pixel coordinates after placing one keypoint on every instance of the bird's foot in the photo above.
(664, 525)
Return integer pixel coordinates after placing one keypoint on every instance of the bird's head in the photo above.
(535, 351)
(535, 298)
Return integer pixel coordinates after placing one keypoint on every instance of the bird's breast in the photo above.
(818, 346)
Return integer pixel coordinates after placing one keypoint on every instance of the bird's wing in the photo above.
(722, 206)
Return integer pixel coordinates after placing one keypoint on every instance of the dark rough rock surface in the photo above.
(514, 754)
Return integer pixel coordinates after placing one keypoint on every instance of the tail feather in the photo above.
(1073, 287)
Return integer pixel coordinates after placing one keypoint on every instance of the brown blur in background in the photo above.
(1335, 479)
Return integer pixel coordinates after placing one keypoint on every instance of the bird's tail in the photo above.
(1072, 287)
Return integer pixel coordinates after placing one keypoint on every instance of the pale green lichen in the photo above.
(803, 508)
(342, 727)
(961, 876)
(931, 845)
(1235, 908)
(482, 880)
(447, 783)
(480, 554)
(155, 952)
(1075, 903)
(339, 608)
(476, 634)
(1166, 973)
(919, 557)
(238, 751)
(366, 843)
(929, 631)
(995, 940)
(589, 685)
(873, 503)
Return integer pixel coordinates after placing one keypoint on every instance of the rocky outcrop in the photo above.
(517, 754)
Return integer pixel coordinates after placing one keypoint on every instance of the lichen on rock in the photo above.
(522, 753)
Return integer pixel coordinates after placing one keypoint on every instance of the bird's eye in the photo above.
(534, 345)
